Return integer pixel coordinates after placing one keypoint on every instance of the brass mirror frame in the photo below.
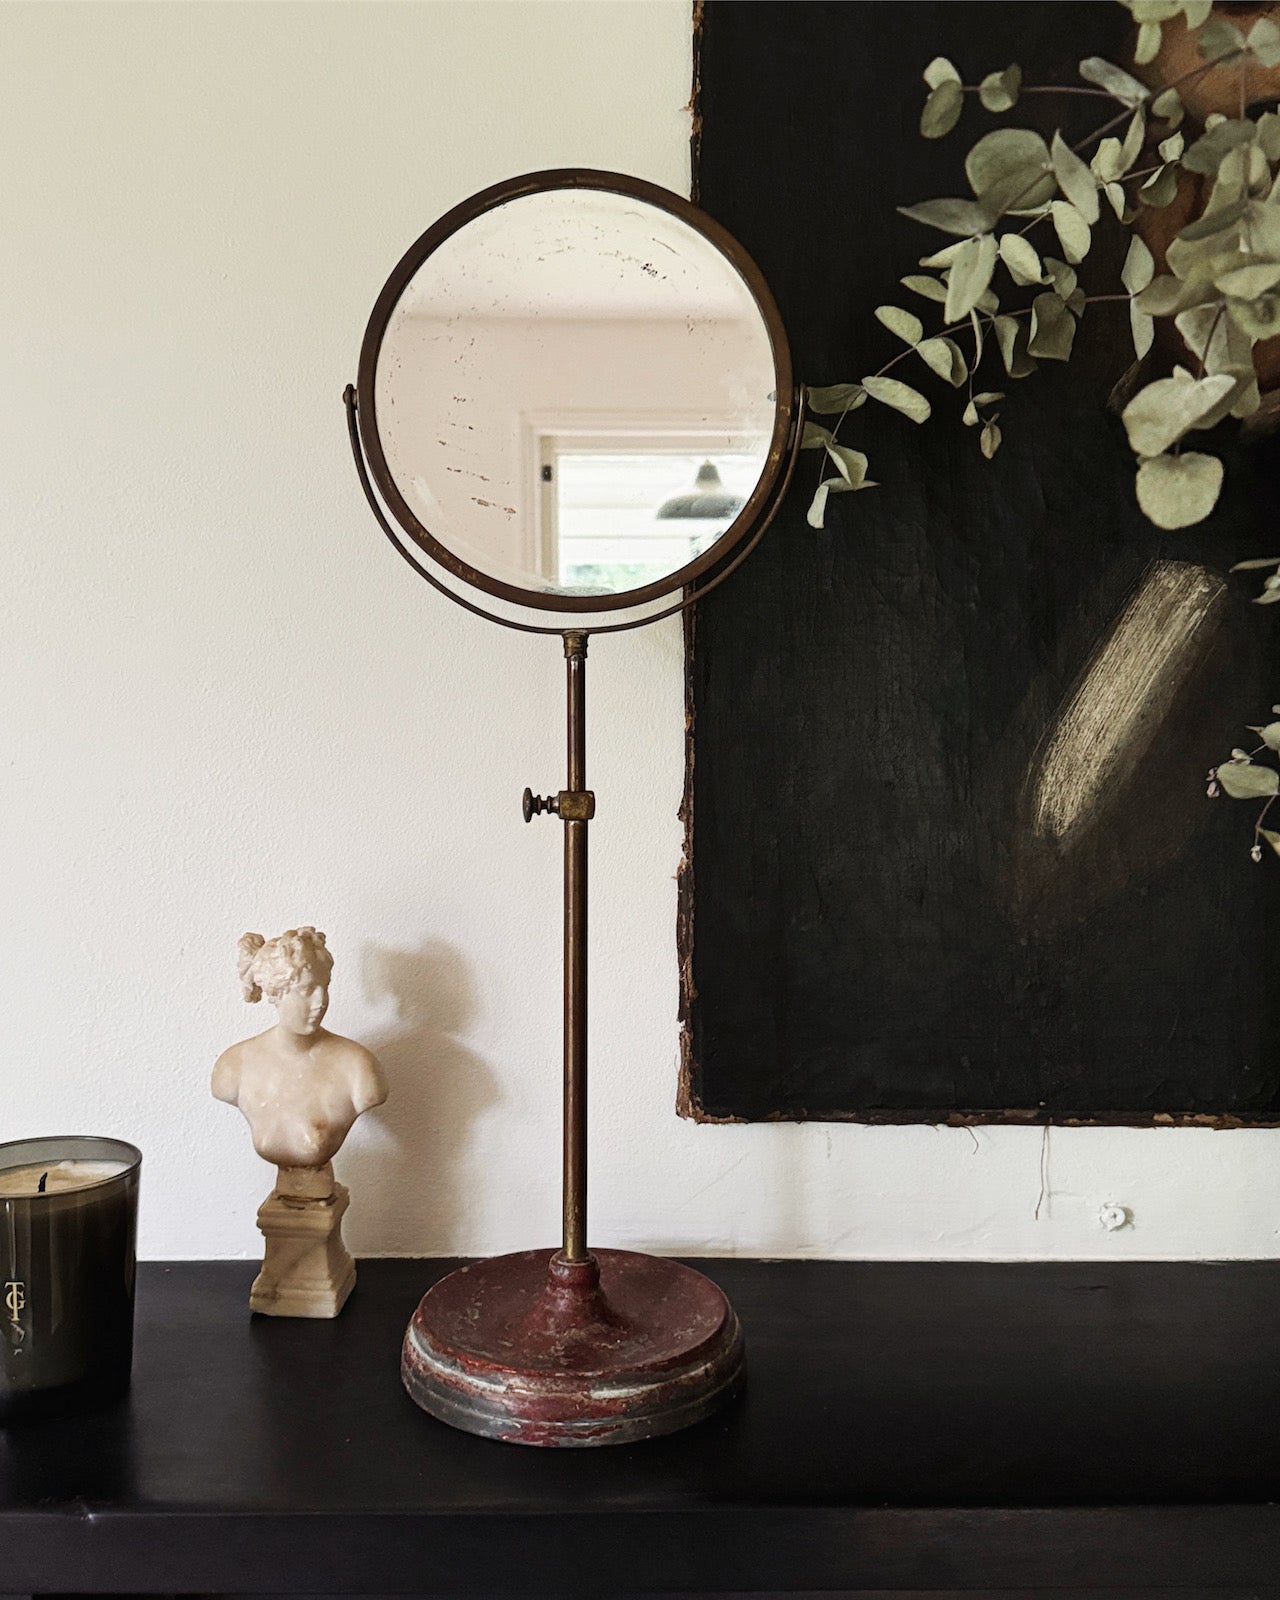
(757, 511)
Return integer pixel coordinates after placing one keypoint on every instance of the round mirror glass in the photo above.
(569, 396)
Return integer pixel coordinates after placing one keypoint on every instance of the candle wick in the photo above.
(44, 1179)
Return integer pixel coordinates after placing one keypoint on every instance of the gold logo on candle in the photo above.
(15, 1299)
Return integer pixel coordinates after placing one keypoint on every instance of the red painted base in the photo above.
(534, 1349)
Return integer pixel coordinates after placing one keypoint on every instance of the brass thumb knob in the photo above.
(532, 804)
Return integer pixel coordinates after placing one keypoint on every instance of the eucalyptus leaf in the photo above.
(851, 464)
(1166, 295)
(1011, 336)
(1258, 318)
(941, 110)
(1197, 12)
(976, 324)
(1167, 105)
(1063, 277)
(814, 437)
(1243, 780)
(816, 515)
(1263, 41)
(1021, 259)
(835, 397)
(1159, 414)
(970, 416)
(1261, 229)
(1072, 230)
(907, 326)
(1229, 181)
(1106, 164)
(1134, 135)
(1236, 402)
(1197, 265)
(1013, 165)
(988, 397)
(1247, 283)
(1116, 195)
(1212, 223)
(940, 71)
(1220, 38)
(1143, 329)
(898, 395)
(1160, 188)
(930, 288)
(1214, 340)
(1147, 47)
(948, 216)
(1118, 83)
(1139, 266)
(942, 258)
(1215, 144)
(998, 91)
(1053, 328)
(1269, 734)
(1074, 179)
(817, 512)
(969, 276)
(989, 440)
(1171, 149)
(1247, 397)
(1256, 564)
(946, 359)
(1269, 135)
(1272, 838)
(1177, 491)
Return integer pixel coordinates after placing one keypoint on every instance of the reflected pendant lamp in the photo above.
(707, 501)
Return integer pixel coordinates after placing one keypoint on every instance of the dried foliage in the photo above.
(1004, 277)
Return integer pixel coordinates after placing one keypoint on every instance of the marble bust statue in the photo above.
(300, 1088)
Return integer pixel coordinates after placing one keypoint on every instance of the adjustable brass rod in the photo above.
(575, 961)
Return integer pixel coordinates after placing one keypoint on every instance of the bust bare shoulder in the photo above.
(362, 1071)
(227, 1070)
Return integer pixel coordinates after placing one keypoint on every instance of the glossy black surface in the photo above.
(905, 1425)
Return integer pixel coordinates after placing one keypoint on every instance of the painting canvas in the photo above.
(950, 855)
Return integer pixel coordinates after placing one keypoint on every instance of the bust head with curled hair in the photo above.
(293, 971)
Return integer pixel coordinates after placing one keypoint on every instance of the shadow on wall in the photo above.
(406, 1184)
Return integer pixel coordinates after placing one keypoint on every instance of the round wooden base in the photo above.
(534, 1349)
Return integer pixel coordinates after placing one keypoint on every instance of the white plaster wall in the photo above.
(226, 705)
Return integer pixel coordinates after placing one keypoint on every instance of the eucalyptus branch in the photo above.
(1048, 88)
(1219, 284)
(1126, 115)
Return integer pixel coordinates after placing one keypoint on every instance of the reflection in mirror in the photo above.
(575, 393)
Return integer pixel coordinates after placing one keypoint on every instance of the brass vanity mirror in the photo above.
(574, 415)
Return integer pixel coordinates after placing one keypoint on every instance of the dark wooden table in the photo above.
(907, 1427)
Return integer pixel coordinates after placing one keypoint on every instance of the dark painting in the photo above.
(950, 853)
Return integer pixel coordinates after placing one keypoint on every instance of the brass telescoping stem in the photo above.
(575, 957)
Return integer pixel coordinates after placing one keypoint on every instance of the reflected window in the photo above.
(621, 514)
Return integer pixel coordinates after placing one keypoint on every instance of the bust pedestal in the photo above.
(306, 1269)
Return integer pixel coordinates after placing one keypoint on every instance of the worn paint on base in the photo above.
(534, 1349)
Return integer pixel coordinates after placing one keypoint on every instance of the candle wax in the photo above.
(59, 1176)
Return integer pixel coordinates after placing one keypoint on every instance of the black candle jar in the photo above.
(68, 1231)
